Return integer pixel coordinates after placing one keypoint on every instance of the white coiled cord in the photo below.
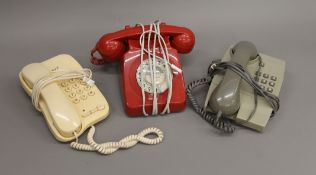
(155, 30)
(85, 74)
(111, 147)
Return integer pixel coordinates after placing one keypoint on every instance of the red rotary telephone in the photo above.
(124, 45)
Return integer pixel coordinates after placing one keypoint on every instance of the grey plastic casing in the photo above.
(226, 96)
(270, 78)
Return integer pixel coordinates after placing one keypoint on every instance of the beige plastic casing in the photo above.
(88, 101)
(270, 78)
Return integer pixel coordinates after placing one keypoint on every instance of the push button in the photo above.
(68, 89)
(258, 73)
(262, 87)
(91, 93)
(270, 90)
(261, 64)
(76, 100)
(273, 78)
(72, 95)
(266, 75)
(63, 84)
(79, 91)
(72, 80)
(264, 81)
(75, 86)
(271, 84)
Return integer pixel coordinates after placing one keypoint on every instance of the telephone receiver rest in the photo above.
(112, 46)
(226, 96)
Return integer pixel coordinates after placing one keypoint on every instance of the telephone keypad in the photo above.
(76, 89)
(267, 82)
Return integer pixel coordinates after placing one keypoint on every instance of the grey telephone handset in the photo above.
(244, 88)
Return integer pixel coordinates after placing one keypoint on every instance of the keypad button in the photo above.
(79, 91)
(266, 75)
(273, 78)
(83, 97)
(261, 64)
(72, 80)
(271, 84)
(258, 73)
(262, 87)
(87, 87)
(68, 89)
(76, 100)
(91, 93)
(72, 95)
(270, 90)
(82, 82)
(75, 86)
(257, 79)
(264, 81)
(63, 84)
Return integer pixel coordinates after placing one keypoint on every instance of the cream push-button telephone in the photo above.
(70, 102)
(69, 105)
(244, 88)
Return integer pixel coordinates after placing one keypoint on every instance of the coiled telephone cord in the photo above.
(127, 142)
(219, 123)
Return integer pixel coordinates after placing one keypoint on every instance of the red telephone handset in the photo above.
(124, 45)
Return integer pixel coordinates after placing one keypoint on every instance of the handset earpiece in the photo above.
(110, 50)
(225, 99)
(184, 42)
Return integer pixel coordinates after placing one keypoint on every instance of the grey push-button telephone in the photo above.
(244, 88)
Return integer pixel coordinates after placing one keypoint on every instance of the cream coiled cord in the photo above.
(126, 142)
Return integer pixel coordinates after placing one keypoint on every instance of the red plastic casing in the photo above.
(124, 46)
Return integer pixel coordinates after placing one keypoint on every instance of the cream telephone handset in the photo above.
(69, 105)
(244, 88)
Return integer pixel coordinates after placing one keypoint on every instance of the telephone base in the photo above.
(92, 109)
(270, 78)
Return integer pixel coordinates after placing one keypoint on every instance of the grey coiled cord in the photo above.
(219, 123)
(220, 67)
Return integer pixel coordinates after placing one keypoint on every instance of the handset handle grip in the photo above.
(226, 96)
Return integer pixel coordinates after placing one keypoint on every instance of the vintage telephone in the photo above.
(148, 54)
(244, 88)
(70, 102)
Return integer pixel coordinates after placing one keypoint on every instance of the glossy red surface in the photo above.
(124, 46)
